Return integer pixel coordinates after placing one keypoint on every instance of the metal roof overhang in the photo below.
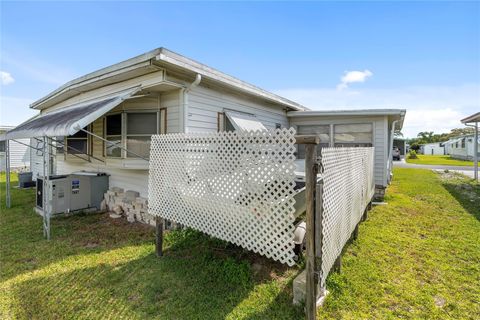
(393, 114)
(244, 122)
(471, 119)
(69, 120)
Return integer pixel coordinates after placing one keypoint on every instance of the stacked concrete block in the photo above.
(133, 207)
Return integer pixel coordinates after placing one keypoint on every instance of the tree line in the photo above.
(431, 137)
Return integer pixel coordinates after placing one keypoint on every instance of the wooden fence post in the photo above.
(311, 169)
(159, 236)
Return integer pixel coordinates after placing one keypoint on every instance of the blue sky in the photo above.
(422, 56)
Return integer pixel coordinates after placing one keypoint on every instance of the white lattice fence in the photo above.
(348, 187)
(236, 186)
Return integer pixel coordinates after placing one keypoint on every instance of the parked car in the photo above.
(396, 154)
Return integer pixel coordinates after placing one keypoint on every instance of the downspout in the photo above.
(184, 94)
(390, 157)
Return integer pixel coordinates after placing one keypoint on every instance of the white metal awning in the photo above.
(244, 122)
(69, 120)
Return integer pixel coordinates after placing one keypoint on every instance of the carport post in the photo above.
(311, 170)
(7, 173)
(475, 152)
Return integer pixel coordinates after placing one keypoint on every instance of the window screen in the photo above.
(323, 131)
(353, 135)
(140, 128)
(142, 123)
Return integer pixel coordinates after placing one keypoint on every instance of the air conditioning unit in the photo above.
(74, 192)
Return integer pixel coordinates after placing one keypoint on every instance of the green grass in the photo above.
(439, 160)
(417, 257)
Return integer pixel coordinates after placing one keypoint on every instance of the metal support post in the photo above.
(7, 173)
(475, 152)
(46, 177)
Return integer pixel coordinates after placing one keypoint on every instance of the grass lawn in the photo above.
(439, 160)
(417, 257)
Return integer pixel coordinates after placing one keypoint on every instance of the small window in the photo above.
(113, 124)
(2, 146)
(78, 143)
(353, 135)
(322, 131)
(278, 126)
(463, 143)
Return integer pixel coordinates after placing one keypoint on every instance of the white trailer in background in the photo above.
(472, 121)
(19, 152)
(436, 148)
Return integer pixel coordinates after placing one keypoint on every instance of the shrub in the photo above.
(412, 154)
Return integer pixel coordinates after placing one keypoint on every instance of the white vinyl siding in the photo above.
(19, 155)
(204, 104)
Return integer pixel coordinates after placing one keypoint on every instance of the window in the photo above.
(140, 128)
(463, 143)
(353, 135)
(323, 131)
(114, 134)
(133, 131)
(78, 143)
(2, 146)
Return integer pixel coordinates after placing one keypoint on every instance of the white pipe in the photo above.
(195, 83)
(390, 157)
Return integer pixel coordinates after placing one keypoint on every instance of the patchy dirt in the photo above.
(461, 184)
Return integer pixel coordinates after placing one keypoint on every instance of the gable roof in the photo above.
(149, 62)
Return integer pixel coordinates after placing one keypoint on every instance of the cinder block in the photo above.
(300, 288)
(131, 195)
(116, 189)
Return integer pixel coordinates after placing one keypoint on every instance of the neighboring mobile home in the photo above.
(19, 153)
(462, 147)
(163, 92)
(436, 148)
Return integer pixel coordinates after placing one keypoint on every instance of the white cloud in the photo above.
(352, 77)
(429, 108)
(6, 78)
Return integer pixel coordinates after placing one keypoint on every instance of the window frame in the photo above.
(161, 128)
(88, 139)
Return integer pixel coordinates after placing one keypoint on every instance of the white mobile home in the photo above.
(436, 148)
(462, 147)
(163, 92)
(19, 152)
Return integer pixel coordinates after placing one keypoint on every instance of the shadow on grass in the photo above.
(188, 282)
(467, 194)
(198, 278)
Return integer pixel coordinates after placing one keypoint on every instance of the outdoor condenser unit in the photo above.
(77, 191)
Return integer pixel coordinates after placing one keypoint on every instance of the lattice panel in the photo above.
(348, 187)
(236, 186)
